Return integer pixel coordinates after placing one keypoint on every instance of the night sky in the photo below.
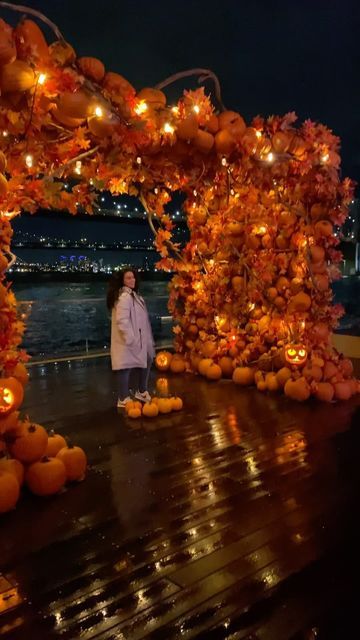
(271, 56)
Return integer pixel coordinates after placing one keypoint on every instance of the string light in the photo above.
(78, 165)
(168, 128)
(29, 160)
(138, 160)
(42, 78)
(196, 108)
(5, 133)
(141, 108)
(325, 158)
(270, 157)
(99, 112)
(175, 110)
(258, 134)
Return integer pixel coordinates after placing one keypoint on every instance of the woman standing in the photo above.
(132, 342)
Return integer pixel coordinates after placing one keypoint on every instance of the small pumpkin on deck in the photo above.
(10, 465)
(55, 443)
(9, 491)
(30, 444)
(46, 477)
(74, 460)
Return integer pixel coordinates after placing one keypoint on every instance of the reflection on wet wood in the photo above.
(232, 519)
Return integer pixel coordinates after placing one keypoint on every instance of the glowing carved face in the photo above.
(296, 354)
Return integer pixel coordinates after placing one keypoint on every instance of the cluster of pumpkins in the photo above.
(158, 405)
(108, 98)
(28, 454)
(326, 379)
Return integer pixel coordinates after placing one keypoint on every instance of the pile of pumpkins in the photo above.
(158, 405)
(325, 378)
(28, 454)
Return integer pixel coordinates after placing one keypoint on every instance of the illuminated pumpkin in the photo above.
(74, 460)
(321, 282)
(163, 360)
(150, 410)
(9, 491)
(11, 395)
(296, 354)
(67, 121)
(237, 283)
(46, 477)
(16, 76)
(162, 385)
(243, 376)
(117, 86)
(249, 140)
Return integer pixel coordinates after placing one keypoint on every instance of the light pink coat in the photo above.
(132, 342)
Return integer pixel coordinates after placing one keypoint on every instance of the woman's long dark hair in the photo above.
(116, 283)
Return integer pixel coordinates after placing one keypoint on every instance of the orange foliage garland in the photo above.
(262, 200)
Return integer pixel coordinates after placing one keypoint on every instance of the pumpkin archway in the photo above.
(262, 201)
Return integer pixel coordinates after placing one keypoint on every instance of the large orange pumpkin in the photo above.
(213, 372)
(164, 405)
(233, 123)
(67, 121)
(30, 444)
(30, 42)
(324, 392)
(177, 365)
(118, 87)
(75, 461)
(16, 76)
(7, 44)
(323, 228)
(46, 477)
(203, 365)
(9, 491)
(76, 104)
(21, 373)
(343, 390)
(297, 389)
(92, 68)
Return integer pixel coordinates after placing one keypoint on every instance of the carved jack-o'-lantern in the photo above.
(163, 360)
(296, 354)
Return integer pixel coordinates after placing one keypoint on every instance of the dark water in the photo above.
(68, 318)
(65, 317)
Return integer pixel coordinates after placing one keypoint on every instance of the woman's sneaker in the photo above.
(143, 397)
(121, 403)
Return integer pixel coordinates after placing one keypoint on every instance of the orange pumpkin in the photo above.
(10, 465)
(209, 348)
(346, 367)
(321, 281)
(203, 365)
(133, 404)
(312, 372)
(297, 389)
(227, 366)
(118, 87)
(67, 121)
(165, 405)
(9, 491)
(272, 383)
(150, 410)
(243, 376)
(11, 395)
(7, 44)
(237, 283)
(324, 392)
(188, 128)
(62, 53)
(283, 375)
(330, 370)
(177, 365)
(104, 126)
(154, 98)
(74, 460)
(317, 211)
(204, 141)
(296, 354)
(233, 123)
(224, 142)
(30, 42)
(343, 390)
(300, 302)
(30, 443)
(75, 104)
(249, 140)
(9, 422)
(176, 403)
(213, 372)
(46, 477)
(16, 76)
(92, 68)
(54, 444)
(21, 373)
(134, 413)
(212, 124)
(163, 360)
(317, 253)
(323, 228)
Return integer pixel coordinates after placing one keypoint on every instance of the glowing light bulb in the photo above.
(258, 134)
(141, 108)
(5, 133)
(196, 108)
(138, 160)
(168, 128)
(223, 162)
(98, 112)
(29, 160)
(42, 78)
(325, 158)
(175, 110)
(78, 165)
(270, 157)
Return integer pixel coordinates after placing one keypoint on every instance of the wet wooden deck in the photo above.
(233, 519)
